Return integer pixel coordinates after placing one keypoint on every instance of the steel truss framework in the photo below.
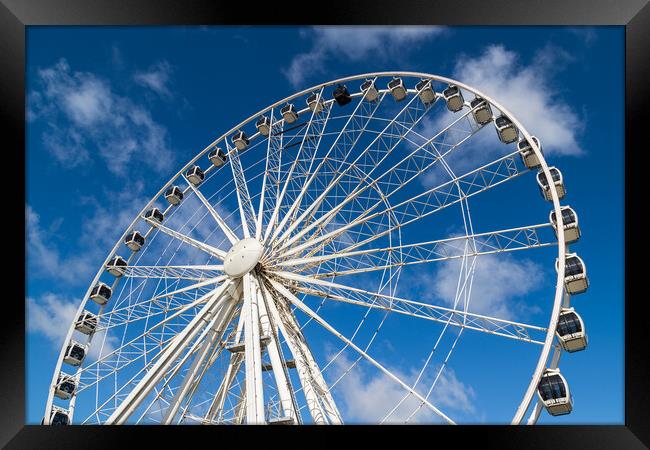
(337, 199)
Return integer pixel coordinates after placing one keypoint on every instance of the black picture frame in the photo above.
(15, 15)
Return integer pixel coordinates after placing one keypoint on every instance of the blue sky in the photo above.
(171, 91)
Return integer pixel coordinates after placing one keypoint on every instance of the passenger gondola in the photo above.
(117, 266)
(575, 274)
(59, 416)
(75, 353)
(289, 113)
(342, 95)
(481, 110)
(397, 89)
(263, 125)
(558, 181)
(155, 215)
(570, 331)
(65, 386)
(425, 91)
(217, 157)
(506, 130)
(195, 175)
(86, 323)
(454, 98)
(101, 293)
(174, 195)
(134, 240)
(553, 392)
(315, 102)
(240, 140)
(370, 92)
(528, 155)
(569, 224)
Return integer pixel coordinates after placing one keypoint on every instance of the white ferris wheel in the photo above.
(272, 266)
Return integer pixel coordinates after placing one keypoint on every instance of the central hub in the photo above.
(242, 257)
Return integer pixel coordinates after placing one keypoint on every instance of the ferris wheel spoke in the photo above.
(246, 211)
(170, 354)
(305, 309)
(300, 191)
(109, 363)
(149, 309)
(407, 169)
(411, 114)
(344, 142)
(270, 191)
(182, 272)
(212, 338)
(368, 260)
(428, 202)
(463, 319)
(215, 215)
(188, 240)
(319, 125)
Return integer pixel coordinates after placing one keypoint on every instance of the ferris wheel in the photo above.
(289, 259)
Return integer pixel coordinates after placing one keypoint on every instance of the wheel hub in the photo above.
(242, 257)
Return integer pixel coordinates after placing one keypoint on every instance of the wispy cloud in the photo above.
(528, 91)
(84, 118)
(354, 43)
(367, 396)
(156, 78)
(44, 257)
(499, 283)
(107, 219)
(586, 34)
(50, 316)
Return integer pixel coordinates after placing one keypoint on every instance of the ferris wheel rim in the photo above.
(544, 167)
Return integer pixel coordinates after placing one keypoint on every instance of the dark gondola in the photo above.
(341, 95)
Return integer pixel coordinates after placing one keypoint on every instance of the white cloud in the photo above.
(499, 282)
(85, 117)
(354, 43)
(587, 34)
(45, 258)
(528, 91)
(99, 230)
(156, 78)
(51, 315)
(367, 396)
